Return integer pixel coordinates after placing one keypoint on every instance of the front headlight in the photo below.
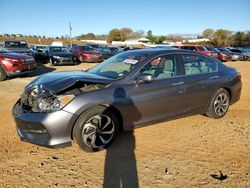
(53, 104)
(9, 59)
(56, 57)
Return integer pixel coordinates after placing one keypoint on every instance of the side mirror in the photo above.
(144, 78)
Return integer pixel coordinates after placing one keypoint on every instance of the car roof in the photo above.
(12, 40)
(159, 51)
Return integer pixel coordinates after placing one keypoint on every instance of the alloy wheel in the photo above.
(98, 131)
(221, 104)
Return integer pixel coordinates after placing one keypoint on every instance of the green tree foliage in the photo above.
(241, 39)
(115, 35)
(150, 36)
(126, 33)
(221, 37)
(161, 39)
(137, 34)
(208, 33)
(88, 36)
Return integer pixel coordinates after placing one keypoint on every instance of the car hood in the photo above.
(59, 81)
(14, 55)
(62, 54)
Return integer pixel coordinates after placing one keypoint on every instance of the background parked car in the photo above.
(18, 46)
(86, 53)
(58, 55)
(245, 53)
(38, 52)
(201, 49)
(218, 54)
(128, 48)
(14, 64)
(234, 56)
(103, 50)
(115, 50)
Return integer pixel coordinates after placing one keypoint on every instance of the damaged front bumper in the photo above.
(46, 129)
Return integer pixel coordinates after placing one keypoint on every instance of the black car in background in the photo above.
(18, 46)
(38, 52)
(244, 53)
(114, 50)
(58, 55)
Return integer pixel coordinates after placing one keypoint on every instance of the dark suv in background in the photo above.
(18, 46)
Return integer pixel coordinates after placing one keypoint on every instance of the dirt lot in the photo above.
(179, 153)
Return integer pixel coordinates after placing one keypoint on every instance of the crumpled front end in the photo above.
(39, 123)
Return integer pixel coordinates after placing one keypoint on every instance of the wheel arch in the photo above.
(229, 92)
(108, 106)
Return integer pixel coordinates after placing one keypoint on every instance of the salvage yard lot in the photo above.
(179, 153)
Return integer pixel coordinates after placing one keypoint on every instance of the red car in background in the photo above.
(86, 53)
(219, 55)
(14, 64)
(196, 48)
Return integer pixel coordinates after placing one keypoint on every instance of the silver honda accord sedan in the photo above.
(128, 90)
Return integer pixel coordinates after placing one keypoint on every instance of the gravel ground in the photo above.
(187, 152)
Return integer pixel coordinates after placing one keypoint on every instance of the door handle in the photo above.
(177, 83)
(214, 77)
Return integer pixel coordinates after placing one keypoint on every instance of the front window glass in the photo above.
(119, 65)
(195, 64)
(161, 68)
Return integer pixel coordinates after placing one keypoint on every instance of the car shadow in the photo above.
(41, 69)
(120, 163)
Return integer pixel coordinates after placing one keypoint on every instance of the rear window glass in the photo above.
(195, 64)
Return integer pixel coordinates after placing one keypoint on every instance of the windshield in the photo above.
(3, 50)
(58, 49)
(16, 44)
(119, 65)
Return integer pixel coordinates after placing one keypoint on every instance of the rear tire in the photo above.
(3, 75)
(219, 104)
(95, 129)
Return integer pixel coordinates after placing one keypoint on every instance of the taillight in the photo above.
(239, 75)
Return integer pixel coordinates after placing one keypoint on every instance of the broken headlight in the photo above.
(53, 104)
(41, 100)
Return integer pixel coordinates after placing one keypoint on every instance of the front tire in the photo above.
(219, 104)
(95, 129)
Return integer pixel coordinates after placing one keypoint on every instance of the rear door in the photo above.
(201, 79)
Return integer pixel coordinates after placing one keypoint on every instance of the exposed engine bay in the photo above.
(39, 99)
